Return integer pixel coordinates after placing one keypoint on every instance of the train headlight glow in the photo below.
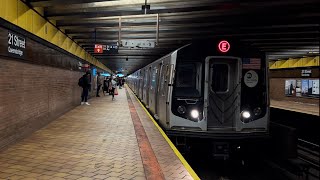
(245, 114)
(194, 113)
(181, 109)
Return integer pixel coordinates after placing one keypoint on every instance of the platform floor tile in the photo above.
(89, 142)
(306, 108)
(171, 166)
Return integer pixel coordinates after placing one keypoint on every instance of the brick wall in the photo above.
(33, 95)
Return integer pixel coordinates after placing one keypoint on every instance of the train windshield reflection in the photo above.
(188, 80)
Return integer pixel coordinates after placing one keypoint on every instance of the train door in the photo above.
(141, 80)
(133, 83)
(146, 86)
(153, 89)
(159, 74)
(137, 79)
(222, 92)
(162, 96)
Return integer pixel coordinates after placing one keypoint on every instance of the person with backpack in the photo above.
(84, 82)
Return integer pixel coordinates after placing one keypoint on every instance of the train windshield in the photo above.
(188, 80)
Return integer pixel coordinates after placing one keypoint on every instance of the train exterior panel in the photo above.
(207, 89)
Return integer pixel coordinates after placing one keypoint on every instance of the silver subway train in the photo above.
(214, 89)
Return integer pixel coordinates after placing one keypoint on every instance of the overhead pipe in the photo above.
(157, 35)
(119, 35)
(145, 7)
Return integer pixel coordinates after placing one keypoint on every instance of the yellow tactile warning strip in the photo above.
(150, 163)
(173, 165)
(89, 142)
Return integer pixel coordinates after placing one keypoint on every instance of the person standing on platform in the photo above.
(84, 82)
(105, 86)
(99, 84)
(112, 86)
(120, 83)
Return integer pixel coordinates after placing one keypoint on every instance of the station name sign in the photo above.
(16, 45)
(306, 72)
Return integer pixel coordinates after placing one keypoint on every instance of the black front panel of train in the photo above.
(253, 80)
(188, 91)
(254, 87)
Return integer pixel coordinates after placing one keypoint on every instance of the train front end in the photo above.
(220, 91)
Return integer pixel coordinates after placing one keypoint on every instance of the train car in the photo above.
(215, 89)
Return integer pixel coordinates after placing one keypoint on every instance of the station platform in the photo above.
(312, 109)
(106, 140)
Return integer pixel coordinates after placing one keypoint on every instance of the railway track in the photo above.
(308, 152)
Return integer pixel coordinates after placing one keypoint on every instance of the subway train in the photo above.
(215, 89)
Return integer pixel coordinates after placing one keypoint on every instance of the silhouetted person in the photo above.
(99, 84)
(112, 86)
(85, 84)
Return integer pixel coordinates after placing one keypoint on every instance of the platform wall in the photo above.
(36, 88)
(277, 84)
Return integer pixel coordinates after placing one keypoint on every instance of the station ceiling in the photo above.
(282, 28)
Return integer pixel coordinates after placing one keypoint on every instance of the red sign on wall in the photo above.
(224, 46)
(98, 48)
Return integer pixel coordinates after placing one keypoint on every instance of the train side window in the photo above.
(164, 79)
(146, 78)
(220, 78)
(159, 76)
(153, 77)
(150, 76)
(187, 81)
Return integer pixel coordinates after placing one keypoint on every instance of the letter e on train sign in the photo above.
(98, 48)
(224, 46)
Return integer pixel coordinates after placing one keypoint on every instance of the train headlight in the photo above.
(181, 109)
(245, 116)
(194, 113)
(257, 111)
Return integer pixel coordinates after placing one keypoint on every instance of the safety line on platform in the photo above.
(173, 147)
(150, 163)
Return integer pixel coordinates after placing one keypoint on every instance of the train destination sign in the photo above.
(224, 46)
(16, 45)
(306, 72)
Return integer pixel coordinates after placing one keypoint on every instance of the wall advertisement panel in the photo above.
(315, 88)
(290, 87)
(298, 88)
(305, 87)
(302, 87)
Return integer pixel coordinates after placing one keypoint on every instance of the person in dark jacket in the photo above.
(85, 88)
(99, 82)
(105, 86)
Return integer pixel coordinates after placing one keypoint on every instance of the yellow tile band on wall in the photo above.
(18, 13)
(295, 63)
